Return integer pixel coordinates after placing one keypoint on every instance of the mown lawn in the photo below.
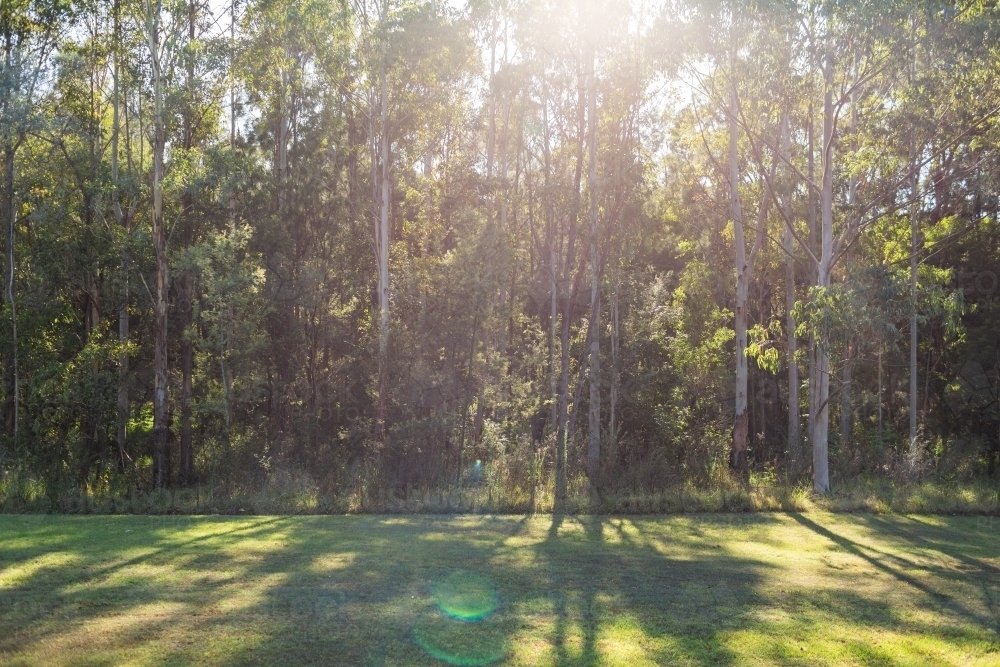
(759, 589)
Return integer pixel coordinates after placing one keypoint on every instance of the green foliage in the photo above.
(272, 185)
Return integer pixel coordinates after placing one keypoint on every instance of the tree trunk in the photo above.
(491, 130)
(565, 425)
(468, 388)
(811, 219)
(613, 398)
(738, 454)
(161, 454)
(10, 358)
(227, 382)
(914, 245)
(186, 472)
(821, 464)
(382, 238)
(553, 268)
(560, 500)
(553, 322)
(90, 426)
(122, 220)
(281, 147)
(880, 392)
(226, 320)
(594, 440)
(913, 323)
(794, 427)
(281, 321)
(568, 300)
(794, 439)
(582, 373)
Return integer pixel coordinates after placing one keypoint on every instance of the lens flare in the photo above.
(456, 643)
(465, 596)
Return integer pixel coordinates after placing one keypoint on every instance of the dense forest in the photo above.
(563, 248)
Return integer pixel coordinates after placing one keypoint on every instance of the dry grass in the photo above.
(284, 492)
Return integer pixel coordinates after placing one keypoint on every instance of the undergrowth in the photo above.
(285, 492)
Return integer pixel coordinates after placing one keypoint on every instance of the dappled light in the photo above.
(569, 333)
(689, 590)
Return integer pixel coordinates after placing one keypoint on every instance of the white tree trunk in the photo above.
(811, 218)
(821, 461)
(738, 454)
(788, 246)
(744, 272)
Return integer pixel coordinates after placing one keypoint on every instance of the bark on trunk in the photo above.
(744, 273)
(880, 392)
(788, 246)
(738, 454)
(913, 325)
(613, 398)
(10, 358)
(186, 471)
(566, 421)
(814, 277)
(11, 140)
(594, 440)
(553, 272)
(821, 466)
(568, 299)
(491, 130)
(794, 421)
(563, 405)
(228, 317)
(123, 323)
(161, 454)
(553, 323)
(90, 426)
(382, 240)
(281, 321)
(914, 241)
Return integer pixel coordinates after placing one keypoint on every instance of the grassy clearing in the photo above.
(757, 589)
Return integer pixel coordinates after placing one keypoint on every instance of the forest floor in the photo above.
(756, 589)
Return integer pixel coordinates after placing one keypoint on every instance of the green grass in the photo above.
(756, 589)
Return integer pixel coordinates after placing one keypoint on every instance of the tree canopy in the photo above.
(591, 245)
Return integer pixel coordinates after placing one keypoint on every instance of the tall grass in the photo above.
(496, 491)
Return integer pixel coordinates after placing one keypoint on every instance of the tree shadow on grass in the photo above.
(562, 589)
(74, 586)
(983, 576)
(959, 545)
(352, 591)
(348, 590)
(673, 610)
(931, 598)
